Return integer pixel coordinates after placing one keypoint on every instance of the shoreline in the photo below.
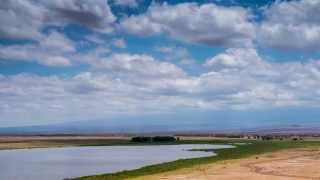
(29, 142)
(240, 152)
(243, 150)
(293, 164)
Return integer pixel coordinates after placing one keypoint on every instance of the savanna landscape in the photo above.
(159, 89)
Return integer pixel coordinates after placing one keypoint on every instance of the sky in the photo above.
(224, 62)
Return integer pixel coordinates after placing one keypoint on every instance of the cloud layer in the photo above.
(137, 83)
(286, 25)
(123, 76)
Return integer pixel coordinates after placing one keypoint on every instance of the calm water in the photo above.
(60, 163)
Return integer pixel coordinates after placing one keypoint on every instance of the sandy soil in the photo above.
(303, 164)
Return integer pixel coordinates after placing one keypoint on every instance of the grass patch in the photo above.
(241, 151)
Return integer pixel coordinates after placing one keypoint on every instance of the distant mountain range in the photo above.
(102, 127)
(81, 127)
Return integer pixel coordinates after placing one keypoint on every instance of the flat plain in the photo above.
(251, 159)
(21, 142)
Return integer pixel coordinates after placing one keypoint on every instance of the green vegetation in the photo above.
(249, 148)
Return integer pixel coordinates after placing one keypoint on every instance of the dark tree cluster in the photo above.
(147, 139)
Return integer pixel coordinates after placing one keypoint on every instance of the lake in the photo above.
(60, 163)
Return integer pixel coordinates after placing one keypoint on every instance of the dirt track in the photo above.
(285, 165)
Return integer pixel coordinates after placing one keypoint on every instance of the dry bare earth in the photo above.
(285, 165)
(18, 142)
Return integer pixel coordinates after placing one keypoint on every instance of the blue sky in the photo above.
(214, 62)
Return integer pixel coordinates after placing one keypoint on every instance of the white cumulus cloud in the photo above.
(51, 50)
(291, 25)
(141, 65)
(207, 24)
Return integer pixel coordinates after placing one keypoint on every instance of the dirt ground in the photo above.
(303, 164)
(17, 142)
